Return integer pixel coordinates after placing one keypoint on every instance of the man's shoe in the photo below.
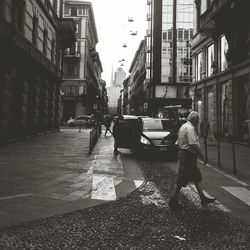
(173, 204)
(116, 152)
(205, 201)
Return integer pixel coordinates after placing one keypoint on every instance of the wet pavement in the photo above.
(134, 219)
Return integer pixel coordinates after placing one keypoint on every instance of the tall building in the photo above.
(113, 94)
(119, 77)
(32, 37)
(82, 84)
(137, 88)
(221, 55)
(168, 54)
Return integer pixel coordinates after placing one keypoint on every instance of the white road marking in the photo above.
(191, 194)
(92, 164)
(103, 188)
(138, 183)
(227, 175)
(14, 196)
(241, 193)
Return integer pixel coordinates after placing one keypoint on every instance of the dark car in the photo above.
(127, 131)
(154, 134)
(157, 134)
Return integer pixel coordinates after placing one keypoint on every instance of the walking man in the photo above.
(107, 123)
(189, 150)
(116, 132)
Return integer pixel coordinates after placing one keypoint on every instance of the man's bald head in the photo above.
(193, 117)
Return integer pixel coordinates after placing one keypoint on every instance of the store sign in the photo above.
(165, 91)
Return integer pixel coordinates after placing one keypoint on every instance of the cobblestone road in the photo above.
(142, 220)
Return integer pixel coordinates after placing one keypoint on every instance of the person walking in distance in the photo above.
(189, 150)
(107, 124)
(116, 132)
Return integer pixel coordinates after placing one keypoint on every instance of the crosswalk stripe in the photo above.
(241, 193)
(103, 188)
(191, 194)
(138, 183)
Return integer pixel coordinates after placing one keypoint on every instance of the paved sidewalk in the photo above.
(242, 158)
(54, 174)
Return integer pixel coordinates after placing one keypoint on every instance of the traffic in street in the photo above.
(112, 201)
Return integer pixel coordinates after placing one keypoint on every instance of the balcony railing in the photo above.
(72, 54)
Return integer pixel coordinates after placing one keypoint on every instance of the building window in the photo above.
(81, 11)
(225, 108)
(73, 11)
(2, 7)
(53, 50)
(18, 15)
(35, 30)
(203, 6)
(66, 9)
(45, 41)
(199, 66)
(77, 27)
(223, 53)
(210, 60)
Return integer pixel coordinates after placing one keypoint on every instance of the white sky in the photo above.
(113, 30)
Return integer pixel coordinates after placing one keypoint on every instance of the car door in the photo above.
(127, 133)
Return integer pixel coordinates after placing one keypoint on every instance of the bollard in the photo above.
(90, 142)
(205, 145)
(234, 158)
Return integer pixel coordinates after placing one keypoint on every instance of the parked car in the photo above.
(82, 120)
(153, 134)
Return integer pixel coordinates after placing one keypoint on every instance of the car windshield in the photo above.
(152, 124)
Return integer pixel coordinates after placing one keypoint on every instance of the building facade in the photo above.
(168, 54)
(222, 66)
(82, 85)
(32, 37)
(137, 97)
(113, 94)
(119, 77)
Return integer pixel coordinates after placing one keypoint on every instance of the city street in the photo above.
(57, 196)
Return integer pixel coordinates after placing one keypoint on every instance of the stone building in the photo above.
(82, 85)
(221, 56)
(32, 36)
(137, 97)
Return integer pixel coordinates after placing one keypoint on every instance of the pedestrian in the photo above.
(116, 132)
(204, 127)
(212, 129)
(107, 123)
(189, 150)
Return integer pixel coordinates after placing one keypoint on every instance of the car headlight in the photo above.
(144, 140)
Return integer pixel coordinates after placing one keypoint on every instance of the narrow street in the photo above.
(111, 202)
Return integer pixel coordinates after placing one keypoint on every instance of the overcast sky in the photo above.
(113, 30)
